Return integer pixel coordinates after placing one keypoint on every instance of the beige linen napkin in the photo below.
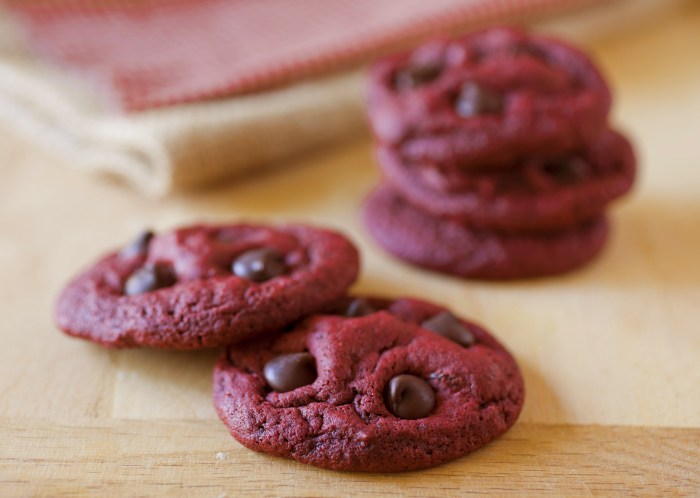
(172, 148)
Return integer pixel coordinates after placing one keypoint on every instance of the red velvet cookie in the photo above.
(543, 194)
(487, 99)
(450, 247)
(206, 286)
(379, 392)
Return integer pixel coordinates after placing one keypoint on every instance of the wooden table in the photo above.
(610, 354)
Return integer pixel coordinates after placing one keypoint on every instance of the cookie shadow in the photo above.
(653, 242)
(541, 402)
(163, 384)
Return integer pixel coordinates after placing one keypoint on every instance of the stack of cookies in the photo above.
(497, 156)
(306, 371)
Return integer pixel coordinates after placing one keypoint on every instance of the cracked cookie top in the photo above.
(486, 99)
(205, 286)
(372, 385)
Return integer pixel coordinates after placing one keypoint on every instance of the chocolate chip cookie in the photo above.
(379, 386)
(206, 286)
(545, 193)
(450, 247)
(487, 99)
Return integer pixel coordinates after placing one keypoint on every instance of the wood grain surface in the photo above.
(162, 457)
(610, 354)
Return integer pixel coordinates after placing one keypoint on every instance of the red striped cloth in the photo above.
(149, 53)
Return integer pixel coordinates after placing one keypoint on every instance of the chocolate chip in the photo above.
(290, 371)
(359, 307)
(225, 235)
(569, 171)
(525, 49)
(259, 265)
(415, 75)
(446, 325)
(475, 99)
(139, 246)
(149, 278)
(409, 397)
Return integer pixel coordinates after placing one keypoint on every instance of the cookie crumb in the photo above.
(221, 456)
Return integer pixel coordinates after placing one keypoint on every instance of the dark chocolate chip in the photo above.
(568, 172)
(290, 371)
(259, 265)
(416, 74)
(475, 99)
(526, 49)
(224, 235)
(446, 325)
(149, 278)
(359, 307)
(139, 246)
(409, 397)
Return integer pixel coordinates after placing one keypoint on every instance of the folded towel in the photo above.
(176, 94)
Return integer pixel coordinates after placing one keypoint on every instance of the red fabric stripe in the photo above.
(151, 53)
